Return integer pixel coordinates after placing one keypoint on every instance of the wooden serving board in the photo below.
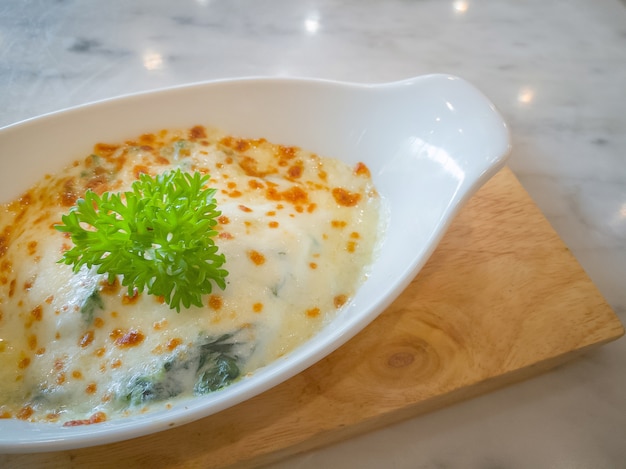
(500, 300)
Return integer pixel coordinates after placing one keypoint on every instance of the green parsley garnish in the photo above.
(158, 236)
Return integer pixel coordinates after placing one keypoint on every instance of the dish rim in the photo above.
(280, 370)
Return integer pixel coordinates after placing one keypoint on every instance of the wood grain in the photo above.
(500, 300)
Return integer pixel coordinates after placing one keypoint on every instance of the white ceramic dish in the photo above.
(430, 143)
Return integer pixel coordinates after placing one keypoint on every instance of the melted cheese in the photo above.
(298, 232)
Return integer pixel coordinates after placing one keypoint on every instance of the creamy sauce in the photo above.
(298, 232)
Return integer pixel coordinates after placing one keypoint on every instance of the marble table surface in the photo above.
(557, 72)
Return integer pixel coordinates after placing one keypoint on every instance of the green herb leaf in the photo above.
(157, 237)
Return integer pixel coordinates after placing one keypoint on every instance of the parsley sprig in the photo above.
(156, 237)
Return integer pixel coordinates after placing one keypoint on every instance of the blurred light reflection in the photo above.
(526, 95)
(152, 61)
(312, 24)
(460, 6)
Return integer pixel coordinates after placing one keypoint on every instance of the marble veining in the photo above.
(557, 72)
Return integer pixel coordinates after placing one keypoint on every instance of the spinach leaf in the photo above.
(211, 364)
(92, 303)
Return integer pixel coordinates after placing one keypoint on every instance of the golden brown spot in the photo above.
(355, 235)
(98, 417)
(257, 307)
(35, 315)
(97, 183)
(254, 184)
(161, 160)
(223, 220)
(32, 248)
(130, 299)
(256, 257)
(157, 326)
(4, 241)
(296, 170)
(139, 170)
(286, 153)
(52, 417)
(147, 139)
(313, 265)
(361, 170)
(32, 342)
(215, 302)
(250, 167)
(104, 149)
(311, 208)
(243, 208)
(173, 343)
(98, 322)
(116, 363)
(91, 388)
(273, 224)
(350, 246)
(294, 195)
(237, 143)
(125, 339)
(6, 265)
(86, 339)
(23, 363)
(313, 312)
(225, 235)
(76, 374)
(100, 352)
(25, 412)
(60, 378)
(338, 223)
(345, 198)
(197, 132)
(26, 199)
(69, 193)
(110, 288)
(340, 300)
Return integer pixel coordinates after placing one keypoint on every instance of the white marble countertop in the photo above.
(556, 70)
